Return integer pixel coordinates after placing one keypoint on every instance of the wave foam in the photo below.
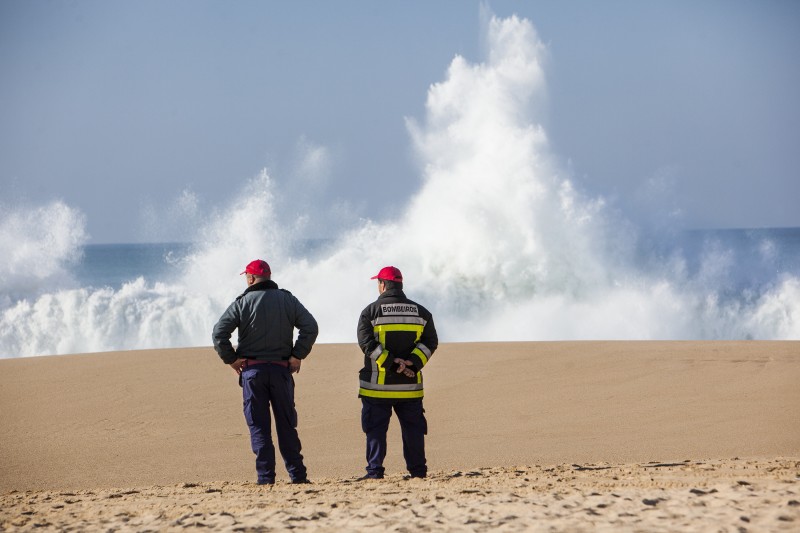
(497, 242)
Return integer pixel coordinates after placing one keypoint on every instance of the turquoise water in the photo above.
(710, 284)
(759, 256)
(111, 265)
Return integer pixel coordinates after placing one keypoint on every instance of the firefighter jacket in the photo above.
(394, 327)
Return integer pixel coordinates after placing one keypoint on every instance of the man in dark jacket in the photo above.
(265, 360)
(398, 338)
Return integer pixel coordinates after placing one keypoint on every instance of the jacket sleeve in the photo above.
(307, 331)
(221, 335)
(365, 333)
(427, 344)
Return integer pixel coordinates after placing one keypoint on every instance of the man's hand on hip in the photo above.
(294, 365)
(238, 365)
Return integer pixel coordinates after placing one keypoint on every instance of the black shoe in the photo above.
(415, 476)
(265, 482)
(303, 481)
(370, 476)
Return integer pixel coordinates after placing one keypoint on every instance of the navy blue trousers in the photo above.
(263, 386)
(375, 416)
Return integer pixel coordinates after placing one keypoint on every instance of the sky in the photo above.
(145, 115)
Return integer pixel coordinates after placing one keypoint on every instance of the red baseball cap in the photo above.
(389, 273)
(258, 268)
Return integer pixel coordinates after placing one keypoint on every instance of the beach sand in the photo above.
(615, 436)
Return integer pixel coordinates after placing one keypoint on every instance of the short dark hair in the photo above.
(392, 284)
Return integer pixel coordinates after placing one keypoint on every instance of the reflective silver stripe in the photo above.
(374, 358)
(376, 353)
(399, 320)
(424, 349)
(374, 386)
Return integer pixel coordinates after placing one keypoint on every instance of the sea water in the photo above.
(761, 255)
(113, 265)
(496, 239)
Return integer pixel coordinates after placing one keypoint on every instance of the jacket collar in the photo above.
(260, 286)
(389, 293)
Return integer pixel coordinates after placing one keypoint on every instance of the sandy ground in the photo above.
(731, 495)
(576, 436)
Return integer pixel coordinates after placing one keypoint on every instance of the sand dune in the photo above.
(516, 428)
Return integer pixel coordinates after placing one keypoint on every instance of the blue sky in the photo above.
(121, 109)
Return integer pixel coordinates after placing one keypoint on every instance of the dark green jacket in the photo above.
(266, 317)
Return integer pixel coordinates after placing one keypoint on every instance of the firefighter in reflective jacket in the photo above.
(397, 337)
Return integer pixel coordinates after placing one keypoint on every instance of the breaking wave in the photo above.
(498, 242)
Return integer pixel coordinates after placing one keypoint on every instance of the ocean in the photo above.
(762, 255)
(113, 265)
(495, 237)
(723, 284)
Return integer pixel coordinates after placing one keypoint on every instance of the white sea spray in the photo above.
(498, 241)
